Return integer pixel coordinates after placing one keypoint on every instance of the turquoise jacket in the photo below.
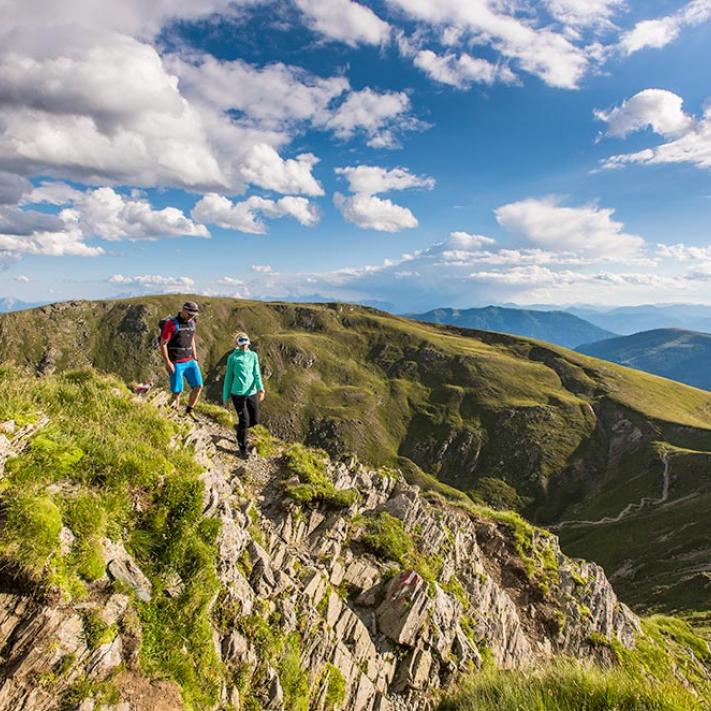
(243, 376)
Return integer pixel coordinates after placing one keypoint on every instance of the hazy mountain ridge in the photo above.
(583, 439)
(557, 327)
(670, 352)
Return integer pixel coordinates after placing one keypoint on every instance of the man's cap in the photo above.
(191, 307)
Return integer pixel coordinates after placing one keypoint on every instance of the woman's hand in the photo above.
(226, 404)
(260, 395)
(170, 367)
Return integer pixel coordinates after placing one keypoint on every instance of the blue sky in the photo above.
(415, 153)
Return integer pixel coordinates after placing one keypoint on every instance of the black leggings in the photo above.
(247, 407)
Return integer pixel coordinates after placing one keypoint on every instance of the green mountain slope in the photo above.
(578, 439)
(557, 327)
(670, 352)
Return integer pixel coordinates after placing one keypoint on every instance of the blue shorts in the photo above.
(190, 370)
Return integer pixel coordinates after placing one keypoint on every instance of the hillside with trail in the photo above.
(472, 414)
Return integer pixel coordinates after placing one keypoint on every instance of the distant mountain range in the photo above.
(627, 320)
(559, 327)
(670, 352)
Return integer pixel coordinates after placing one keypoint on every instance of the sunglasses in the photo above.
(242, 341)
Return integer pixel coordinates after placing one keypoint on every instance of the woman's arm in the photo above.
(227, 386)
(258, 377)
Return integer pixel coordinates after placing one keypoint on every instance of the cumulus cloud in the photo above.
(73, 109)
(461, 71)
(12, 188)
(289, 99)
(261, 268)
(658, 109)
(541, 51)
(689, 137)
(589, 229)
(661, 31)
(372, 179)
(378, 115)
(24, 232)
(264, 167)
(22, 279)
(52, 193)
(244, 216)
(275, 95)
(345, 21)
(368, 211)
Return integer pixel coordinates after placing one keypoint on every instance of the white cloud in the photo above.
(244, 216)
(657, 109)
(372, 179)
(661, 31)
(370, 212)
(135, 17)
(538, 50)
(379, 115)
(230, 281)
(684, 253)
(276, 95)
(106, 214)
(468, 241)
(264, 167)
(462, 70)
(261, 268)
(344, 20)
(150, 281)
(52, 193)
(689, 137)
(582, 14)
(589, 230)
(72, 108)
(22, 279)
(24, 232)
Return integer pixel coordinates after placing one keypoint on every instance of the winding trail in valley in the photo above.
(630, 509)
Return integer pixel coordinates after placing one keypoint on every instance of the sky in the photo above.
(410, 154)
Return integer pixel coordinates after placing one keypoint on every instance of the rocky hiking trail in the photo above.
(365, 628)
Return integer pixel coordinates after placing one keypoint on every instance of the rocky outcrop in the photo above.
(373, 634)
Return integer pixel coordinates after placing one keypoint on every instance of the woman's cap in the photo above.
(191, 307)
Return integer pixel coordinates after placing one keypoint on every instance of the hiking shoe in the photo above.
(189, 412)
(243, 454)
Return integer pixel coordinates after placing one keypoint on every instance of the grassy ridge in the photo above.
(465, 406)
(100, 454)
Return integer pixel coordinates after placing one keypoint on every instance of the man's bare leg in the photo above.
(194, 395)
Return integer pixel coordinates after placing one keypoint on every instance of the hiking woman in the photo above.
(243, 383)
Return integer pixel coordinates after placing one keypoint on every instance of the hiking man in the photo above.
(177, 346)
(243, 382)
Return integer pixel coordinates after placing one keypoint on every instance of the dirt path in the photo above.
(630, 508)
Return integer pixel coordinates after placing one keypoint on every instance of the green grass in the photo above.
(387, 537)
(568, 686)
(315, 486)
(103, 452)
